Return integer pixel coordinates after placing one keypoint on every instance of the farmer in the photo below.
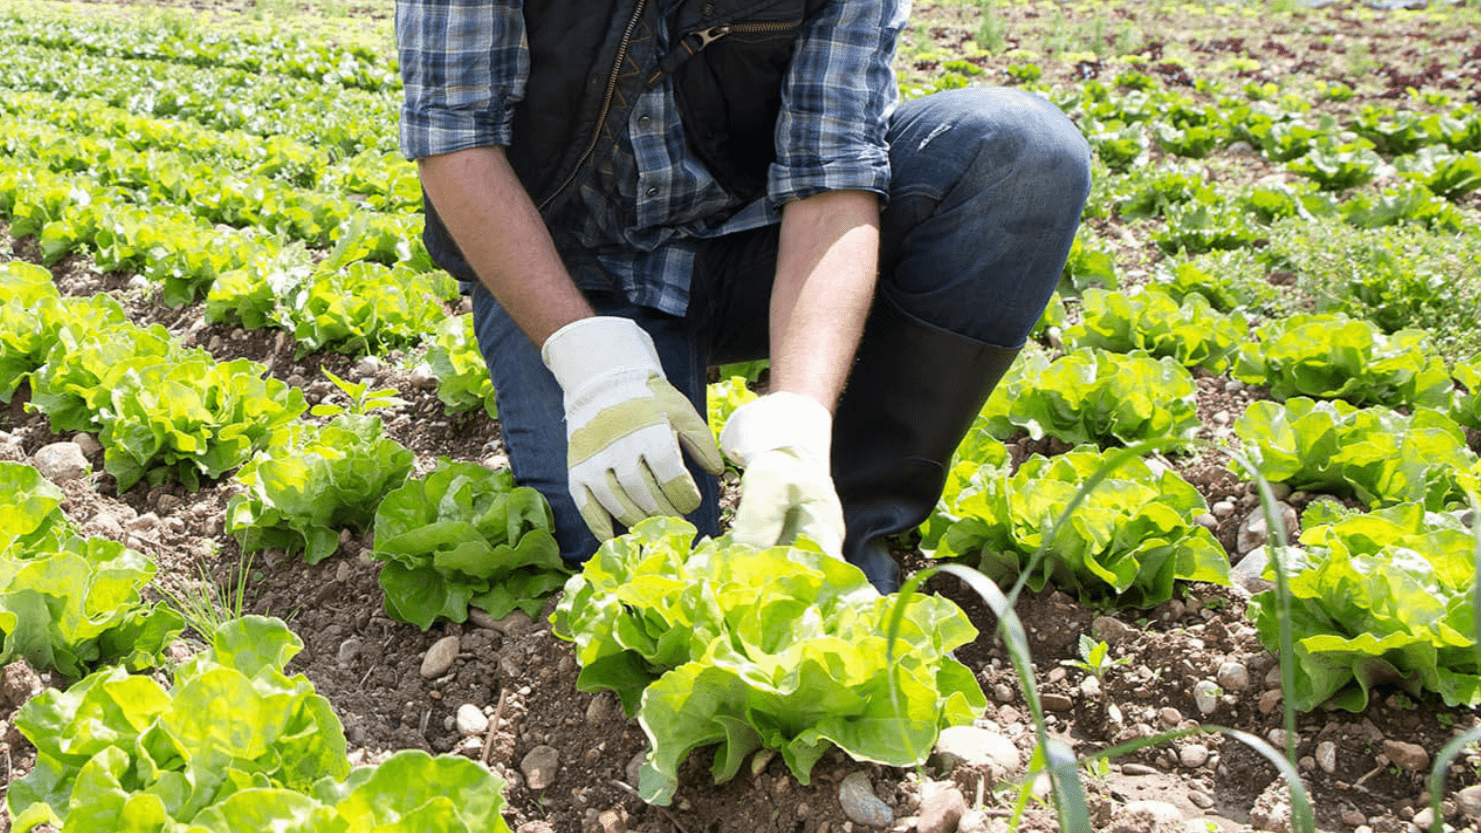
(635, 190)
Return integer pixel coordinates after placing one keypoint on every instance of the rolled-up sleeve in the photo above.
(836, 102)
(463, 67)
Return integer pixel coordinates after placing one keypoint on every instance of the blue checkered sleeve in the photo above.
(463, 66)
(836, 102)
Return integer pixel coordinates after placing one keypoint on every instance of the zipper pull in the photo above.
(710, 35)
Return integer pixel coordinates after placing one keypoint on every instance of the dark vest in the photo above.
(590, 61)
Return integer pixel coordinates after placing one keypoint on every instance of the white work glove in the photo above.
(624, 425)
(782, 441)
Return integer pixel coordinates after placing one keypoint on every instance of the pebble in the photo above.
(1170, 717)
(1353, 818)
(1469, 801)
(1200, 799)
(1110, 630)
(1222, 508)
(1003, 693)
(540, 766)
(1246, 574)
(1194, 755)
(860, 804)
(1277, 738)
(1269, 701)
(599, 710)
(1144, 815)
(349, 651)
(1254, 534)
(471, 720)
(1423, 819)
(1206, 696)
(440, 657)
(1090, 688)
(87, 444)
(1410, 756)
(1056, 702)
(61, 462)
(1138, 769)
(971, 746)
(1207, 521)
(366, 366)
(942, 806)
(1234, 385)
(1326, 756)
(1233, 676)
(143, 523)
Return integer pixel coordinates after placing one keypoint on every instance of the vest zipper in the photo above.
(705, 37)
(591, 146)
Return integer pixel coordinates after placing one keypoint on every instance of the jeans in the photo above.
(987, 185)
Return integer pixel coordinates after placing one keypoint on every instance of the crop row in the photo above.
(294, 56)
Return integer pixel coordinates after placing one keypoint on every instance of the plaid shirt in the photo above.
(464, 65)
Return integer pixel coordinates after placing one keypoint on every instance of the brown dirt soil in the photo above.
(518, 673)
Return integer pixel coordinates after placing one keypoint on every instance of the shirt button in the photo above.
(644, 121)
(652, 192)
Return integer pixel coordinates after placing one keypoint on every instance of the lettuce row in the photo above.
(1127, 542)
(1192, 332)
(68, 603)
(1094, 396)
(1377, 455)
(453, 358)
(1337, 357)
(464, 535)
(234, 745)
(312, 481)
(781, 648)
(1384, 597)
(31, 316)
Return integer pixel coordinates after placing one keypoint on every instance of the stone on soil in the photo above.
(1254, 533)
(942, 806)
(471, 720)
(1146, 816)
(87, 444)
(1206, 696)
(540, 766)
(1194, 755)
(1110, 630)
(856, 797)
(1233, 676)
(1410, 756)
(971, 746)
(1326, 756)
(1246, 573)
(1468, 800)
(61, 462)
(440, 657)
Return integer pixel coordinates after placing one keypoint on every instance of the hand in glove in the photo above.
(782, 441)
(624, 425)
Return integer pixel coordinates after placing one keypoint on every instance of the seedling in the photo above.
(1095, 659)
(362, 398)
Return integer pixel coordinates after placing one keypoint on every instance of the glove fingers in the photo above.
(691, 430)
(761, 514)
(616, 501)
(592, 512)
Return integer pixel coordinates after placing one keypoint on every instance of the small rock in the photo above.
(1423, 819)
(1111, 630)
(349, 651)
(1253, 533)
(536, 827)
(1410, 756)
(1206, 696)
(856, 797)
(1353, 818)
(1207, 521)
(1269, 701)
(613, 821)
(1003, 693)
(143, 523)
(1326, 756)
(87, 444)
(1138, 769)
(19, 682)
(1194, 755)
(167, 503)
(471, 720)
(440, 657)
(1468, 799)
(599, 710)
(634, 769)
(366, 366)
(1145, 816)
(1233, 676)
(516, 622)
(1200, 799)
(540, 767)
(61, 462)
(1170, 717)
(1247, 572)
(1272, 810)
(942, 806)
(1056, 702)
(1090, 688)
(971, 746)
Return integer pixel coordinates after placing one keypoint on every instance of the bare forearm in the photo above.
(827, 264)
(502, 236)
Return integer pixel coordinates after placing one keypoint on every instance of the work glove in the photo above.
(782, 443)
(624, 425)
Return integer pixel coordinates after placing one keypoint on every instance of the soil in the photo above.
(517, 673)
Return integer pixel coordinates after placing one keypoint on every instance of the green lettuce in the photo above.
(1127, 542)
(311, 482)
(781, 648)
(465, 535)
(463, 382)
(1381, 598)
(1191, 332)
(1337, 357)
(1377, 455)
(1094, 396)
(234, 745)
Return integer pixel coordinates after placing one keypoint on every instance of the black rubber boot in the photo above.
(911, 397)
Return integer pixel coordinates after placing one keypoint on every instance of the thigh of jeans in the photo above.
(532, 416)
(987, 185)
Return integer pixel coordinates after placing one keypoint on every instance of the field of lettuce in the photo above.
(263, 566)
